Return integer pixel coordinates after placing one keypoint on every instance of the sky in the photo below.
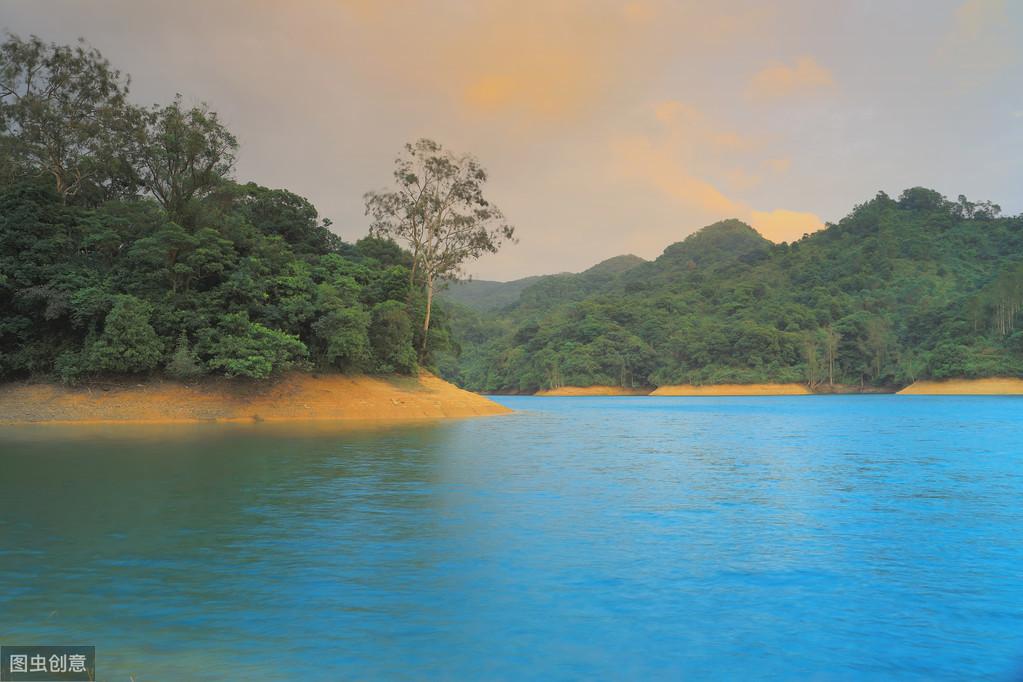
(606, 127)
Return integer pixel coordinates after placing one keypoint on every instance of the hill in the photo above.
(614, 265)
(486, 296)
(917, 287)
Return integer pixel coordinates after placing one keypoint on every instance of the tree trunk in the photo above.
(426, 318)
(412, 273)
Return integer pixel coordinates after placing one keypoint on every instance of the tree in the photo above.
(948, 361)
(213, 276)
(128, 342)
(278, 211)
(390, 333)
(342, 339)
(179, 154)
(831, 341)
(1007, 297)
(241, 347)
(812, 360)
(184, 363)
(878, 341)
(439, 210)
(58, 109)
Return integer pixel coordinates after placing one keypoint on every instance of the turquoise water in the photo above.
(830, 538)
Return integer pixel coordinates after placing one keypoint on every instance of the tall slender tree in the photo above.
(831, 341)
(438, 209)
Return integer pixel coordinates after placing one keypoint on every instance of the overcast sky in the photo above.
(607, 127)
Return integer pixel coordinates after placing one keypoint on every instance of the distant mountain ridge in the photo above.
(487, 295)
(918, 287)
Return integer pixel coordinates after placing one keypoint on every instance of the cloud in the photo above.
(980, 42)
(680, 159)
(555, 97)
(644, 159)
(553, 63)
(781, 225)
(686, 124)
(780, 165)
(780, 81)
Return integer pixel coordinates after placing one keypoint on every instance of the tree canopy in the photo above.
(438, 209)
(128, 247)
(900, 289)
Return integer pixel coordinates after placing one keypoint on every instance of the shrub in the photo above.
(343, 339)
(245, 348)
(184, 363)
(390, 333)
(128, 342)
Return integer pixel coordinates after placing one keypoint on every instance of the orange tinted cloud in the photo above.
(643, 159)
(684, 121)
(781, 225)
(780, 80)
(547, 93)
(680, 160)
(532, 63)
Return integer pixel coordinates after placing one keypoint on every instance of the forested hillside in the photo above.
(126, 247)
(907, 288)
(484, 295)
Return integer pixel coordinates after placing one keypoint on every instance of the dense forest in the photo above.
(126, 247)
(900, 289)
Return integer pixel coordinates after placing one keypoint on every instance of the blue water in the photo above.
(829, 538)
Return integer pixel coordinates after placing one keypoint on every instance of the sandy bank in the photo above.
(593, 390)
(295, 397)
(733, 389)
(990, 386)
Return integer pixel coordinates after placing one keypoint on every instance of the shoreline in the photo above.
(295, 397)
(732, 390)
(986, 386)
(598, 390)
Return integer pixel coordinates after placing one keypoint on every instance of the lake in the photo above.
(830, 537)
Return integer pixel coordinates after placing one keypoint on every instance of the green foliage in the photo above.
(128, 343)
(921, 287)
(342, 336)
(184, 362)
(483, 295)
(70, 366)
(948, 360)
(59, 110)
(240, 347)
(178, 155)
(146, 255)
(439, 210)
(390, 333)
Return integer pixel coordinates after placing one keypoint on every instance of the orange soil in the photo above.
(733, 389)
(294, 397)
(593, 390)
(991, 386)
